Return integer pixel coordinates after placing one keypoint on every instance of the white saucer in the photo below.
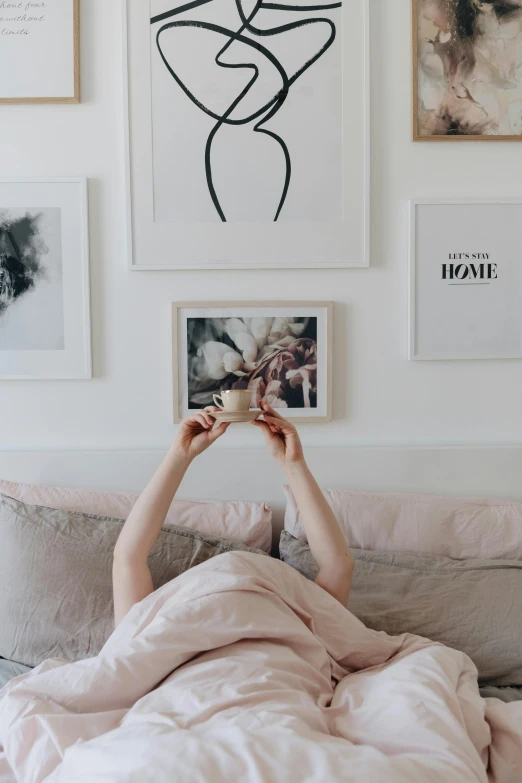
(241, 416)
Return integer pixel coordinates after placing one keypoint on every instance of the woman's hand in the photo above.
(281, 437)
(196, 433)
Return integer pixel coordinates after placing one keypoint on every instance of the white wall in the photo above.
(380, 398)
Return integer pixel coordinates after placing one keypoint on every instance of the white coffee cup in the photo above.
(234, 400)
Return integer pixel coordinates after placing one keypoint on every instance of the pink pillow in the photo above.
(249, 523)
(455, 527)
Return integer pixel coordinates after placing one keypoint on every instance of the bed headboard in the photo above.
(251, 474)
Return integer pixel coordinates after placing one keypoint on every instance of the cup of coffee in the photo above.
(234, 400)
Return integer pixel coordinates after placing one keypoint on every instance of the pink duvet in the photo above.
(241, 670)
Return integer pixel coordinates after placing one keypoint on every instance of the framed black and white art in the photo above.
(280, 351)
(40, 51)
(248, 134)
(465, 279)
(44, 280)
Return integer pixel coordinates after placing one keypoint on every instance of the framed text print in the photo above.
(466, 279)
(44, 280)
(40, 51)
(280, 351)
(467, 80)
(248, 134)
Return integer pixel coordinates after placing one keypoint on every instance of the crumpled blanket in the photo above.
(242, 670)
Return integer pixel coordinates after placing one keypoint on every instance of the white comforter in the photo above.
(241, 670)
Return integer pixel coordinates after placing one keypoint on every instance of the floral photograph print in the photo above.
(278, 351)
(467, 69)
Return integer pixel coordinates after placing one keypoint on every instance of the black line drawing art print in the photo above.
(240, 69)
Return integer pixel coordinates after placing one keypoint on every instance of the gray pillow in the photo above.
(56, 578)
(470, 605)
(9, 670)
(505, 694)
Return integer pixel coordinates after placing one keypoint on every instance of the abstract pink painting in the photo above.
(467, 69)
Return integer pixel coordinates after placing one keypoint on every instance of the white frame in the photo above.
(413, 355)
(366, 231)
(86, 374)
(176, 385)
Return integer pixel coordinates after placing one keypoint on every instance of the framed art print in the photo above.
(248, 134)
(281, 351)
(44, 280)
(465, 279)
(467, 76)
(40, 51)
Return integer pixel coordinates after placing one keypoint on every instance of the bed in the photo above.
(299, 686)
(243, 669)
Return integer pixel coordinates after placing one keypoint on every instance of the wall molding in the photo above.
(251, 474)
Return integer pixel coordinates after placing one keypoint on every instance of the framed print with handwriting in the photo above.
(40, 51)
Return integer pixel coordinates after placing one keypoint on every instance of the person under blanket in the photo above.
(242, 670)
(132, 580)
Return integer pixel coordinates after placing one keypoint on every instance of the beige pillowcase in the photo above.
(56, 578)
(248, 522)
(454, 527)
(471, 605)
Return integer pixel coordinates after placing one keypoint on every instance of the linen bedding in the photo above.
(471, 605)
(241, 669)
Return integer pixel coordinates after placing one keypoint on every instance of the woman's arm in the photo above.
(327, 543)
(131, 578)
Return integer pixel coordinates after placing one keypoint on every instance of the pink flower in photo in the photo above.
(285, 378)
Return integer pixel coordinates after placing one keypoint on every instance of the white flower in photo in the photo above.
(240, 334)
(218, 360)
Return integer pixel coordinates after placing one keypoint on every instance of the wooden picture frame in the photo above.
(416, 133)
(321, 311)
(75, 96)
